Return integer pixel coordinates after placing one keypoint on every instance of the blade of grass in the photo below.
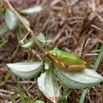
(20, 92)
(7, 77)
(98, 59)
(47, 34)
(11, 98)
(83, 95)
(66, 93)
(17, 35)
(3, 43)
(95, 68)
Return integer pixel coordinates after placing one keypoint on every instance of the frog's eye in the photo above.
(53, 54)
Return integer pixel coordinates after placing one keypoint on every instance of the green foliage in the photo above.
(25, 69)
(30, 42)
(77, 80)
(27, 44)
(47, 81)
(48, 86)
(43, 40)
(95, 68)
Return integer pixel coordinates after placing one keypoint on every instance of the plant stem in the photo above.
(10, 5)
(20, 92)
(24, 38)
(95, 68)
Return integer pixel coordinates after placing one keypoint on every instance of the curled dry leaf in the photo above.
(26, 70)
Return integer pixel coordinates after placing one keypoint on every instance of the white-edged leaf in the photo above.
(26, 21)
(43, 40)
(29, 43)
(26, 70)
(77, 80)
(11, 19)
(48, 86)
(41, 84)
(32, 10)
(52, 86)
(41, 36)
(39, 101)
(46, 65)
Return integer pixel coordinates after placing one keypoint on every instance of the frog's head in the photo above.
(54, 53)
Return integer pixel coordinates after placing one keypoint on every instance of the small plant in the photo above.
(68, 68)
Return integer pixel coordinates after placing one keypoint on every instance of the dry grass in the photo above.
(74, 26)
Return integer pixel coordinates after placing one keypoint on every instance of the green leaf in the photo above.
(39, 101)
(77, 80)
(48, 86)
(32, 10)
(29, 43)
(46, 64)
(1, 13)
(4, 30)
(43, 40)
(11, 19)
(95, 68)
(26, 70)
(26, 21)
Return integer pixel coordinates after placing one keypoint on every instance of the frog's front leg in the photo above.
(76, 68)
(60, 64)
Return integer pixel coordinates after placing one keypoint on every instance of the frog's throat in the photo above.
(52, 57)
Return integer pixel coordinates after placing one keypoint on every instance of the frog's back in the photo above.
(68, 58)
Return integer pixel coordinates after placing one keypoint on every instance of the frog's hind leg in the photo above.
(76, 68)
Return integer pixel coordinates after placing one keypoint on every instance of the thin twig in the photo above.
(10, 5)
